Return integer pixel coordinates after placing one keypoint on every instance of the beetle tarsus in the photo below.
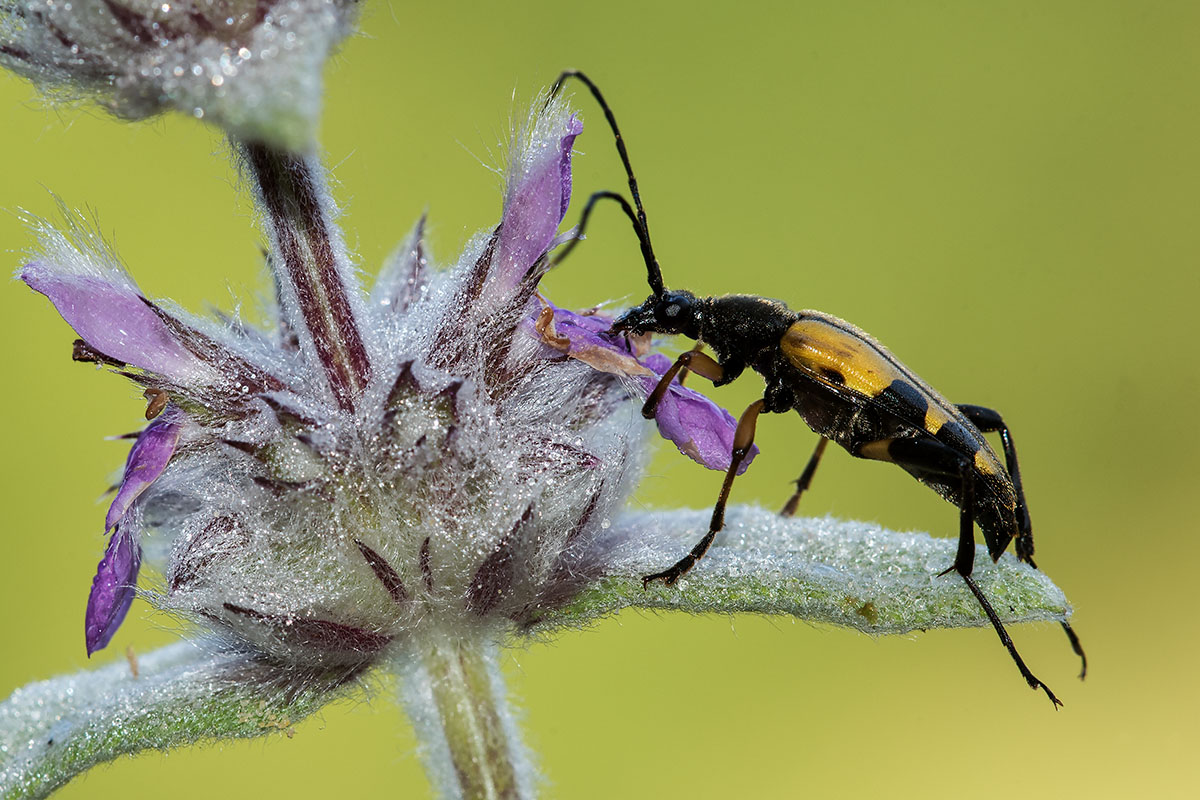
(1077, 647)
(1033, 681)
(670, 576)
(1072, 637)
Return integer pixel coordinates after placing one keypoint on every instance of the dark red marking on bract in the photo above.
(134, 23)
(405, 385)
(245, 447)
(586, 517)
(426, 566)
(287, 414)
(448, 344)
(384, 572)
(406, 291)
(84, 352)
(335, 637)
(203, 549)
(215, 354)
(493, 580)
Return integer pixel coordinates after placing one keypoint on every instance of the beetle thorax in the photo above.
(742, 324)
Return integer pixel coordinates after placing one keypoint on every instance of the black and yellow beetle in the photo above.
(849, 389)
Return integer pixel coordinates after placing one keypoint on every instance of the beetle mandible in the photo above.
(847, 387)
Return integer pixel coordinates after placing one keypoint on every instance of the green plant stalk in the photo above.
(457, 700)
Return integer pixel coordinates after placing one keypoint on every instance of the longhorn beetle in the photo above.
(847, 387)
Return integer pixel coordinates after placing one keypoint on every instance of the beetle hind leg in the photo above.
(989, 421)
(1077, 646)
(1072, 637)
(935, 458)
(1033, 681)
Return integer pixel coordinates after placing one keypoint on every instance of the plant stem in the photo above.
(312, 271)
(456, 698)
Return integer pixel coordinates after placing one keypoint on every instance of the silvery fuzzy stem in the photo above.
(847, 573)
(188, 692)
(455, 696)
(316, 285)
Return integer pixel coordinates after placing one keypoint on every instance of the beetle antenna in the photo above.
(581, 228)
(640, 226)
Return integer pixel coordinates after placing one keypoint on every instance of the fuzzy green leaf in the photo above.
(56, 729)
(853, 574)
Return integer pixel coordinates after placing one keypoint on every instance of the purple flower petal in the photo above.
(586, 338)
(589, 330)
(593, 323)
(539, 191)
(574, 128)
(147, 459)
(115, 583)
(117, 321)
(702, 430)
(113, 589)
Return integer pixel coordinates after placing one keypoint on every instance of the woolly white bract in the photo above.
(422, 458)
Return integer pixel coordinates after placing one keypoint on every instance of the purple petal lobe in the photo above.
(115, 320)
(116, 576)
(574, 128)
(702, 430)
(539, 191)
(147, 460)
(113, 589)
(592, 326)
(585, 337)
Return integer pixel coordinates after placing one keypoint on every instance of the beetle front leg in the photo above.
(699, 347)
(935, 458)
(692, 360)
(743, 440)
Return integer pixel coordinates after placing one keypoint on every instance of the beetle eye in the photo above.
(673, 310)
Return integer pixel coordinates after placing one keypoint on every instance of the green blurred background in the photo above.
(1008, 197)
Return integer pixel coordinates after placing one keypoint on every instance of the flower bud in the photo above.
(252, 68)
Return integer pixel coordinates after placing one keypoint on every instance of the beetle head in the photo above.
(669, 313)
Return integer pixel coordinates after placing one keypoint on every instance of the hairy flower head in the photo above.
(437, 452)
(253, 68)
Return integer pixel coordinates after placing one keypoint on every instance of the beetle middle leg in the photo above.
(743, 440)
(990, 421)
(789, 508)
(935, 458)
